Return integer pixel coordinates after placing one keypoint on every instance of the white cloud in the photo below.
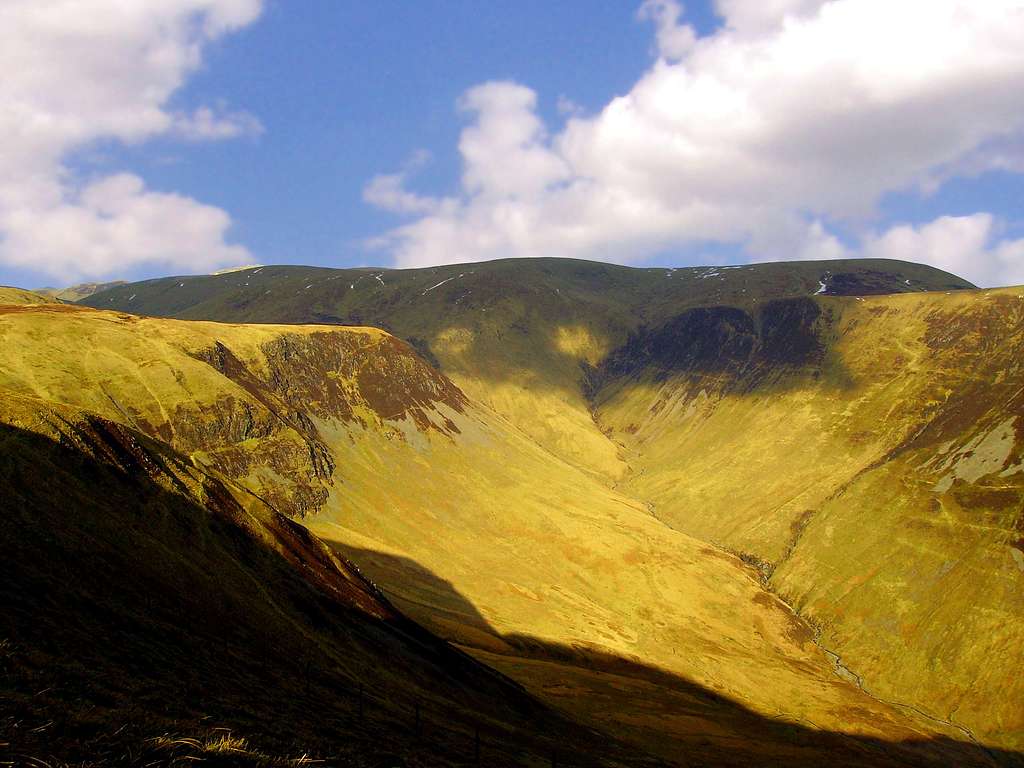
(758, 17)
(674, 40)
(505, 148)
(115, 222)
(387, 191)
(79, 71)
(207, 124)
(793, 113)
(964, 245)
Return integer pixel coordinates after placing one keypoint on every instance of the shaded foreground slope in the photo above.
(492, 541)
(144, 598)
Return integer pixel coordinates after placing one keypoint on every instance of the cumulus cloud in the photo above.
(388, 190)
(793, 113)
(964, 245)
(80, 71)
(674, 39)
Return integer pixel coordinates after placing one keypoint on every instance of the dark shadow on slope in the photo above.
(128, 611)
(781, 343)
(674, 718)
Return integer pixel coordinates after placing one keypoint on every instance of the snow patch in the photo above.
(438, 285)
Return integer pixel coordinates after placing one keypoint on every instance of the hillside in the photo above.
(535, 566)
(9, 295)
(156, 612)
(861, 453)
(512, 334)
(78, 291)
(871, 467)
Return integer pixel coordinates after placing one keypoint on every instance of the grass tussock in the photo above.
(220, 749)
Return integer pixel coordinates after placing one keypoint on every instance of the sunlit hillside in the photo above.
(9, 295)
(730, 563)
(513, 334)
(162, 605)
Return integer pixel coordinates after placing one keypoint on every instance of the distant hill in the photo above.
(502, 328)
(80, 291)
(9, 295)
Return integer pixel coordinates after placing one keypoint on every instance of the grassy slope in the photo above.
(143, 596)
(512, 334)
(79, 291)
(883, 486)
(9, 295)
(500, 546)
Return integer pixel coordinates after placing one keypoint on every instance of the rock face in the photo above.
(782, 334)
(245, 403)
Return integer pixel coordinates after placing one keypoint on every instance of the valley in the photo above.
(703, 516)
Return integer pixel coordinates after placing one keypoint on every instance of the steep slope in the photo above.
(512, 334)
(753, 409)
(549, 575)
(143, 596)
(867, 454)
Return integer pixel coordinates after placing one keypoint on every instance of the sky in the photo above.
(156, 137)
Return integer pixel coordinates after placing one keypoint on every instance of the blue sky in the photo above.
(349, 90)
(405, 134)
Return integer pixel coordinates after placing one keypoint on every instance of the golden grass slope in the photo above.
(9, 295)
(513, 333)
(881, 488)
(475, 529)
(151, 607)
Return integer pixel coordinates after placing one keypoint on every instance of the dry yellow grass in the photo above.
(9, 295)
(884, 488)
(478, 531)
